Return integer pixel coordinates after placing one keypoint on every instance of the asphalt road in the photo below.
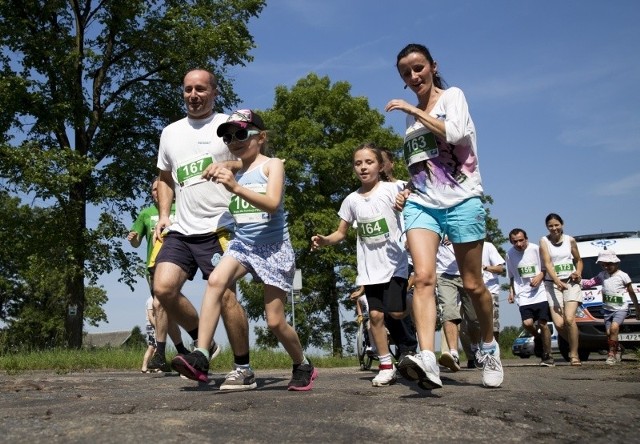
(594, 403)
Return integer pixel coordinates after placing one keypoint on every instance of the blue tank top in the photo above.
(254, 226)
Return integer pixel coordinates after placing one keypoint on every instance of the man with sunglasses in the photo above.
(202, 228)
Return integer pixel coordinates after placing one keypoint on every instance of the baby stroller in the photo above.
(365, 348)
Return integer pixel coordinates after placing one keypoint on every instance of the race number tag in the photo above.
(374, 230)
(190, 172)
(245, 213)
(563, 269)
(613, 300)
(420, 145)
(527, 271)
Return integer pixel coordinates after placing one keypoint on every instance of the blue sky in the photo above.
(553, 89)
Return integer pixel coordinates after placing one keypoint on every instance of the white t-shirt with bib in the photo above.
(491, 257)
(522, 266)
(615, 295)
(443, 173)
(380, 253)
(187, 147)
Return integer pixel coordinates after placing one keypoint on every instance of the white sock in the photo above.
(489, 345)
(385, 359)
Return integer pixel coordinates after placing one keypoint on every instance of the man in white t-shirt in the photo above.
(492, 268)
(189, 153)
(524, 269)
(455, 305)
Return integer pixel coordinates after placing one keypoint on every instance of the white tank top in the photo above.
(561, 257)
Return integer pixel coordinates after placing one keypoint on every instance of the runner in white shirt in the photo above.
(382, 259)
(524, 269)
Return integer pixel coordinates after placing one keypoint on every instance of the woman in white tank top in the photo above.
(561, 259)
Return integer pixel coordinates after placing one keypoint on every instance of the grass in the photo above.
(65, 361)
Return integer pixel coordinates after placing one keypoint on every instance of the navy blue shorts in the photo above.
(199, 251)
(537, 312)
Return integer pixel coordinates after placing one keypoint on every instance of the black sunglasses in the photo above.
(240, 135)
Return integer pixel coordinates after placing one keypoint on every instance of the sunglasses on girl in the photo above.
(240, 135)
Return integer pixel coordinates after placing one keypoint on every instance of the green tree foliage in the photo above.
(494, 234)
(32, 276)
(507, 336)
(315, 126)
(137, 339)
(85, 88)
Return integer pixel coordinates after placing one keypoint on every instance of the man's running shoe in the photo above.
(413, 368)
(194, 366)
(239, 379)
(492, 373)
(159, 363)
(477, 357)
(547, 361)
(302, 377)
(386, 376)
(450, 361)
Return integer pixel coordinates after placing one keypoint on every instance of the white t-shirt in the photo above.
(615, 295)
(186, 148)
(521, 267)
(380, 253)
(491, 257)
(149, 306)
(443, 173)
(446, 260)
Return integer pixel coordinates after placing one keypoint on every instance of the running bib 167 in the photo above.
(190, 172)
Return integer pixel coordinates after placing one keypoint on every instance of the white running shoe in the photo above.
(450, 361)
(386, 376)
(413, 368)
(492, 373)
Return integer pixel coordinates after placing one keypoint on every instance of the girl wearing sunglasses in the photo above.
(261, 246)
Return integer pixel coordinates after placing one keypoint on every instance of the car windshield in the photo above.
(629, 263)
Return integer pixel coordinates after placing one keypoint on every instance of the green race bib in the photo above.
(374, 230)
(190, 172)
(613, 300)
(563, 269)
(243, 212)
(527, 271)
(420, 145)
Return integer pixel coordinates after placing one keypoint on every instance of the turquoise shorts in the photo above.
(462, 223)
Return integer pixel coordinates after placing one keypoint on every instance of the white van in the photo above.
(589, 316)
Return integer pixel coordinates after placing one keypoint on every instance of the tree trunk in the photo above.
(336, 331)
(76, 225)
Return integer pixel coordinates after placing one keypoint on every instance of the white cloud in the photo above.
(626, 185)
(615, 137)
